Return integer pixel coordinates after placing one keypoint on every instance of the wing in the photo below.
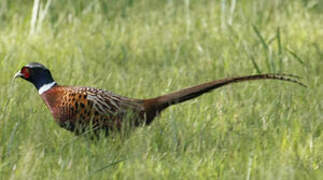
(107, 103)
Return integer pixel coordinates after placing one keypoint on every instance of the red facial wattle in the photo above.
(25, 72)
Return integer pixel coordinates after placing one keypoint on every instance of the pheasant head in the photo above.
(38, 75)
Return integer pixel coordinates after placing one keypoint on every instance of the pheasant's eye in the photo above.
(25, 71)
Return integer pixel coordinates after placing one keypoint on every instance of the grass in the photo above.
(256, 130)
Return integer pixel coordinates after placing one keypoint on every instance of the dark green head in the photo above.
(38, 75)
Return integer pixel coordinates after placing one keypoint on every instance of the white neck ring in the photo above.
(46, 87)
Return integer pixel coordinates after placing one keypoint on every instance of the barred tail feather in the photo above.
(195, 91)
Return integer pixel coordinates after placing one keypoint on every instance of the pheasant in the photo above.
(79, 109)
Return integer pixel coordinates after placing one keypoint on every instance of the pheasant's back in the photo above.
(76, 108)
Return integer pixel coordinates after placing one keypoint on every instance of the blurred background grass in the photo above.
(143, 48)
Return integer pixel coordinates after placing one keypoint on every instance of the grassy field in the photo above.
(144, 48)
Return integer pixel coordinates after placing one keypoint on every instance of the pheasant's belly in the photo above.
(81, 124)
(80, 120)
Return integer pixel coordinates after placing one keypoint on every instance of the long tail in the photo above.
(164, 101)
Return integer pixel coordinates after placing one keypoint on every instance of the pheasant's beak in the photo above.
(18, 74)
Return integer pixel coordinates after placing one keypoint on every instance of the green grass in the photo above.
(144, 48)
